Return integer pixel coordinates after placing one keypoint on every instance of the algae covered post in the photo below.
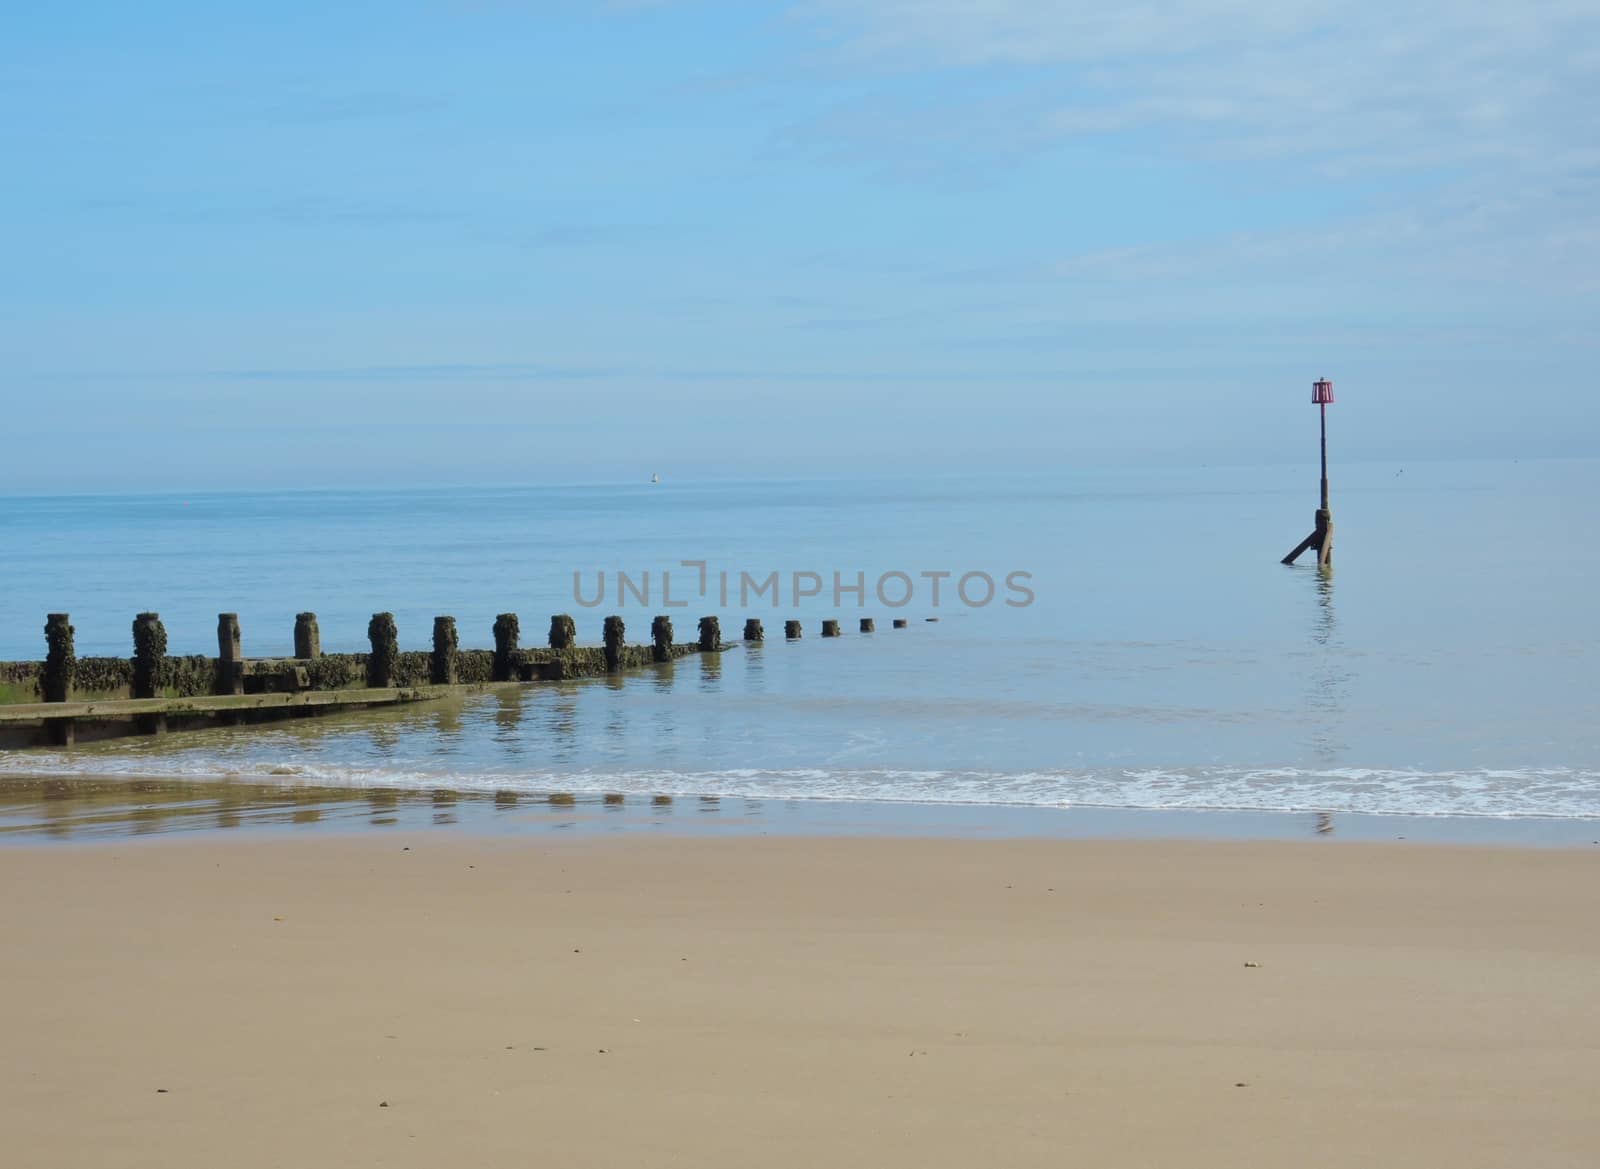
(661, 638)
(563, 631)
(442, 663)
(307, 637)
(385, 653)
(60, 662)
(507, 632)
(230, 655)
(149, 650)
(616, 631)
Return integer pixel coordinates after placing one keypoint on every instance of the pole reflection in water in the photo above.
(561, 743)
(446, 723)
(1329, 686)
(507, 720)
(753, 663)
(710, 673)
(383, 804)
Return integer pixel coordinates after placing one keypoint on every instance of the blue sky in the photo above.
(480, 239)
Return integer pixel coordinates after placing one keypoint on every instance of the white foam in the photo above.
(1569, 793)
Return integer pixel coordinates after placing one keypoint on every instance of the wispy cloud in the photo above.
(1486, 110)
(1341, 86)
(204, 208)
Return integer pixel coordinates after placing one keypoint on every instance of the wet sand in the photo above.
(427, 999)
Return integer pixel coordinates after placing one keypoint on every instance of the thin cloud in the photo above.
(1352, 86)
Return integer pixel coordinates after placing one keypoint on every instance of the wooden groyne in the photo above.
(64, 697)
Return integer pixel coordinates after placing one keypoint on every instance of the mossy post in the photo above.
(60, 660)
(307, 637)
(867, 625)
(753, 630)
(385, 653)
(507, 632)
(563, 632)
(442, 665)
(830, 628)
(661, 638)
(791, 630)
(615, 634)
(230, 655)
(710, 634)
(149, 650)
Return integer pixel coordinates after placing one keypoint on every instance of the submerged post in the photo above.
(753, 630)
(830, 628)
(307, 637)
(60, 660)
(507, 632)
(615, 632)
(661, 638)
(1321, 537)
(230, 655)
(149, 650)
(442, 665)
(563, 632)
(867, 625)
(385, 641)
(791, 630)
(710, 634)
(900, 623)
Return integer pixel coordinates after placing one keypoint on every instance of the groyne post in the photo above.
(791, 630)
(900, 622)
(615, 633)
(385, 639)
(442, 665)
(60, 668)
(60, 660)
(307, 637)
(563, 632)
(710, 634)
(1321, 537)
(830, 628)
(230, 655)
(661, 638)
(149, 650)
(753, 630)
(507, 632)
(867, 625)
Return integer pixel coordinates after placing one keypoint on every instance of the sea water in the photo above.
(1143, 648)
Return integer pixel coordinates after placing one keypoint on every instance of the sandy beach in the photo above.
(428, 1000)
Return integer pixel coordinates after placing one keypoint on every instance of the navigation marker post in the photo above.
(1321, 537)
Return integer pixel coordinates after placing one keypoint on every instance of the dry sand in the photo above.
(818, 1003)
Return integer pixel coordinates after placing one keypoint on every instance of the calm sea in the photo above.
(1446, 666)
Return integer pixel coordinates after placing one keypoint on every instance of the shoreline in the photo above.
(430, 998)
(88, 809)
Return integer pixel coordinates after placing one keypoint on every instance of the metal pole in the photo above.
(1322, 408)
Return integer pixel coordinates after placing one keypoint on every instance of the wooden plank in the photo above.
(216, 704)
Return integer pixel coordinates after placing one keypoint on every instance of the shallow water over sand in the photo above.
(82, 809)
(1445, 668)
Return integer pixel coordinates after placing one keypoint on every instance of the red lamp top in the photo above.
(1321, 391)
